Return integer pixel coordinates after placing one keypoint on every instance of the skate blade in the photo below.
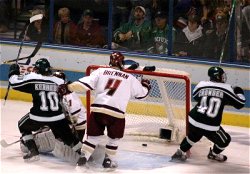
(177, 160)
(32, 159)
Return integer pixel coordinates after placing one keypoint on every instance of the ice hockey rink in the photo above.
(132, 156)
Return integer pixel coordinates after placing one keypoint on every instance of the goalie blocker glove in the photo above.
(14, 70)
(146, 83)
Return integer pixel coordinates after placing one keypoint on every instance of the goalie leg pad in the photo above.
(65, 152)
(45, 141)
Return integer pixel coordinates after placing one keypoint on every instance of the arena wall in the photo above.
(75, 60)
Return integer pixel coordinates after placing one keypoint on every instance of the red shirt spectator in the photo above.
(89, 33)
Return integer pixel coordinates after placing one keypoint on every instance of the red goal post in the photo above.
(166, 106)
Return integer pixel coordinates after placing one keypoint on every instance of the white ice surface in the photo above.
(132, 157)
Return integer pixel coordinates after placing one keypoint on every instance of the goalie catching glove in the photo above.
(14, 70)
(146, 83)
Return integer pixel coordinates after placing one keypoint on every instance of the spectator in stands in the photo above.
(189, 42)
(215, 39)
(38, 30)
(65, 28)
(245, 33)
(4, 16)
(159, 34)
(89, 33)
(133, 35)
(146, 4)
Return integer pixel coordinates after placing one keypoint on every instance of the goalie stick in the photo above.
(4, 144)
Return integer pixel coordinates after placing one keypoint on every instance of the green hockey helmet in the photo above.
(217, 74)
(42, 66)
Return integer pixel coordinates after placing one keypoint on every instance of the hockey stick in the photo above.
(38, 46)
(4, 144)
(224, 43)
(32, 19)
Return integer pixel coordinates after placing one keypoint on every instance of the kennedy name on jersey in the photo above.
(116, 73)
(45, 87)
(211, 92)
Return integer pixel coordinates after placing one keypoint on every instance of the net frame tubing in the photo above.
(154, 73)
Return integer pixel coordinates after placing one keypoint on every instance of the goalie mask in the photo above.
(117, 60)
(42, 66)
(217, 74)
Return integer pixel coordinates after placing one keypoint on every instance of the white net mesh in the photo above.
(164, 108)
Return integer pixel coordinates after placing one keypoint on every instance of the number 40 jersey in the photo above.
(211, 98)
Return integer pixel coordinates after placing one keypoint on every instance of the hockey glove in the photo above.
(63, 90)
(149, 68)
(131, 64)
(146, 83)
(14, 70)
(238, 90)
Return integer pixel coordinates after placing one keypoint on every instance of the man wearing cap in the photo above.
(159, 34)
(189, 42)
(134, 35)
(89, 33)
(215, 39)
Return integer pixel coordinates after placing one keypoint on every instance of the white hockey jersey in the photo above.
(113, 89)
(74, 107)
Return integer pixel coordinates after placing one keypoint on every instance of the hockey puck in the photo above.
(144, 144)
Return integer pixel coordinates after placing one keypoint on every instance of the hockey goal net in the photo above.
(163, 114)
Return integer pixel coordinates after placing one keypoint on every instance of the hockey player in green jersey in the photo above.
(206, 116)
(134, 35)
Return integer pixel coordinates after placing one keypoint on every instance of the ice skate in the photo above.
(109, 164)
(31, 156)
(179, 156)
(216, 157)
(82, 160)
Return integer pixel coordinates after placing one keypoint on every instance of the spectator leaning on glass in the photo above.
(89, 33)
(159, 34)
(38, 30)
(133, 35)
(214, 39)
(189, 42)
(65, 28)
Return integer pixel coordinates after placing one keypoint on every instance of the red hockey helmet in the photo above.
(116, 60)
(59, 74)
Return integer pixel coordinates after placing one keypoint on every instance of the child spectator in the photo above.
(160, 34)
(65, 28)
